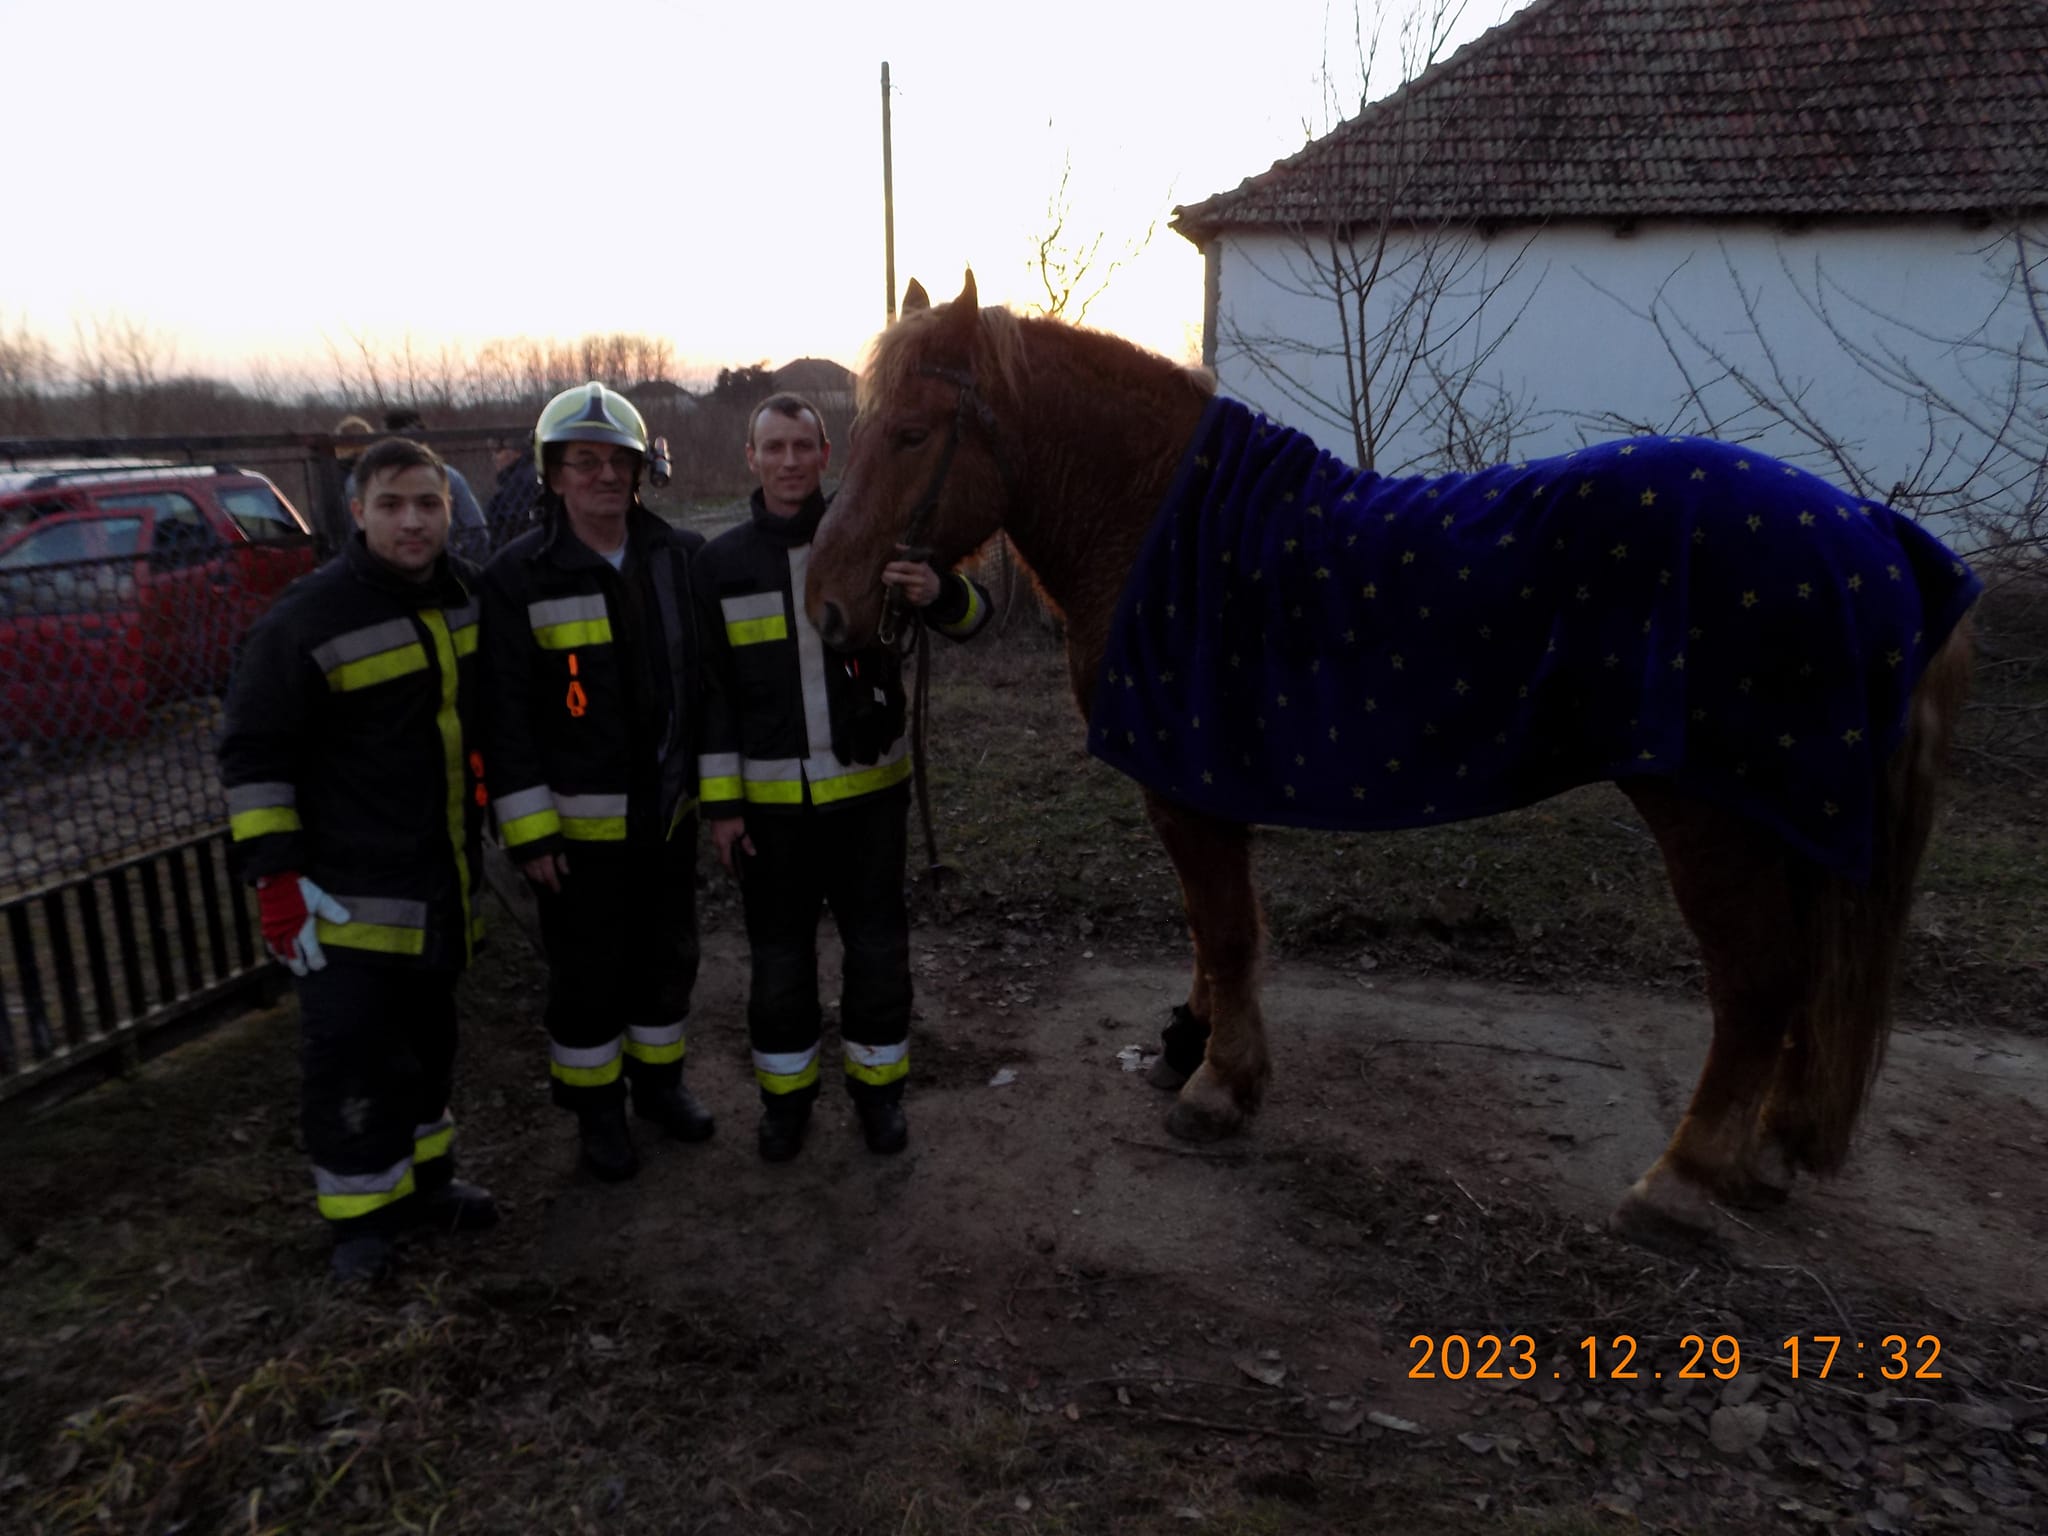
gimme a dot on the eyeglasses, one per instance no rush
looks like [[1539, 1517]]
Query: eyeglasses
[[623, 460]]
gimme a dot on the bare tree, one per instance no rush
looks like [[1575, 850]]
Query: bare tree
[[1981, 470], [359, 372], [1072, 267], [120, 364], [1418, 301], [28, 374]]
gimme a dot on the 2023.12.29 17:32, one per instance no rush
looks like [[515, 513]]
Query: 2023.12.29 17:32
[[1696, 1357]]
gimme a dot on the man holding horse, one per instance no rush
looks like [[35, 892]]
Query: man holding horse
[[803, 769]]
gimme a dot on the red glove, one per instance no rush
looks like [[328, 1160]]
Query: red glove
[[283, 909], [287, 905]]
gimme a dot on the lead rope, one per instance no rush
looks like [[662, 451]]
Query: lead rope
[[920, 714], [888, 628]]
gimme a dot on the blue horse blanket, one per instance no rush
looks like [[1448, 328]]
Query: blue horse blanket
[[1301, 643]]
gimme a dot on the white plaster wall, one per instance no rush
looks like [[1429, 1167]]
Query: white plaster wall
[[1583, 350]]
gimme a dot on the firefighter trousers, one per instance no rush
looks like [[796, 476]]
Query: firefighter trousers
[[849, 858], [378, 1048], [621, 942]]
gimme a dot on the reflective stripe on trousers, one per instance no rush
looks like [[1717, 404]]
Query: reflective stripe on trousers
[[435, 1140], [586, 1066], [877, 1064], [657, 1044], [786, 1071], [343, 1196]]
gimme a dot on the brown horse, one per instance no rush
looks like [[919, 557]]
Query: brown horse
[[975, 420]]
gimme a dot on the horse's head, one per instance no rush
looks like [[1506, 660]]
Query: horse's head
[[923, 467]]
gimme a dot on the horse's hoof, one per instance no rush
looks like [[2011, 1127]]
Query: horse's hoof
[[1164, 1075], [1757, 1193], [1207, 1110], [1200, 1122], [1670, 1215]]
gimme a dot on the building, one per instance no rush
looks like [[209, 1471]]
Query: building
[[827, 384], [1808, 224]]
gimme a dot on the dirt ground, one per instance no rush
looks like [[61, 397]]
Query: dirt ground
[[1044, 1243], [1046, 1316], [1039, 1145]]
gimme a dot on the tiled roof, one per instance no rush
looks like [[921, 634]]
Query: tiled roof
[[1638, 108], [817, 373]]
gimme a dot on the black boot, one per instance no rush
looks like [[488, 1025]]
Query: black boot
[[883, 1123], [675, 1109], [607, 1144], [363, 1258], [782, 1130], [457, 1206]]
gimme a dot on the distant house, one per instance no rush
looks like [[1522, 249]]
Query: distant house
[[825, 383], [661, 394], [1615, 214]]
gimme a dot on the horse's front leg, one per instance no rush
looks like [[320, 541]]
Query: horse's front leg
[[1213, 860]]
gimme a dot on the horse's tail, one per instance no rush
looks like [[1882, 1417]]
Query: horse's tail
[[1857, 932]]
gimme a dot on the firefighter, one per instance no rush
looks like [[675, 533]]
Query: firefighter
[[804, 769], [590, 646], [354, 797]]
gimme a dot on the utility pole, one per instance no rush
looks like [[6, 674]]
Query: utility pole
[[888, 202]]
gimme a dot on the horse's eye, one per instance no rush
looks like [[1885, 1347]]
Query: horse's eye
[[912, 437]]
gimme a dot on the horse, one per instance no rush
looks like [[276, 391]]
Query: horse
[[1073, 443]]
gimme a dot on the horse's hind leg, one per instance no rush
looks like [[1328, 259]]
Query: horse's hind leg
[[1213, 860], [1736, 887]]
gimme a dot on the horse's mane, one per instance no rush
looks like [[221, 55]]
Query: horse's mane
[[1004, 363]]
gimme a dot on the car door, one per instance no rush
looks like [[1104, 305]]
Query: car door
[[188, 594], [274, 546], [72, 643]]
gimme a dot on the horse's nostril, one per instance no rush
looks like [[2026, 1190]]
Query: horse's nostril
[[833, 625]]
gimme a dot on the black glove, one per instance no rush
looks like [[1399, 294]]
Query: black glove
[[867, 705]]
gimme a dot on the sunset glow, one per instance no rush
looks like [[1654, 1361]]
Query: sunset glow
[[259, 181]]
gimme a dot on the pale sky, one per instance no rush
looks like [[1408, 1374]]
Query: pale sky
[[251, 178]]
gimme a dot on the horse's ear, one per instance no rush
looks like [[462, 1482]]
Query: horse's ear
[[963, 321], [915, 300]]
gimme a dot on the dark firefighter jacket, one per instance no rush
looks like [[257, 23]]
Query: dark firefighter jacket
[[591, 676], [348, 754], [786, 721]]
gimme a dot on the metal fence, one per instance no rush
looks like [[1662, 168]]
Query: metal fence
[[111, 968]]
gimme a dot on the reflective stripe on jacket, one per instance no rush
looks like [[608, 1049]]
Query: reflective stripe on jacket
[[787, 722]]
